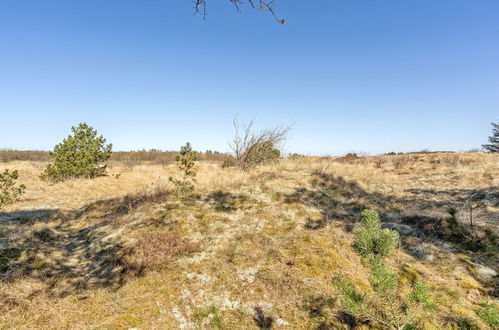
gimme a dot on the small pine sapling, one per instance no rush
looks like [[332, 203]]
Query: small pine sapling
[[185, 163], [10, 191], [370, 239], [383, 306]]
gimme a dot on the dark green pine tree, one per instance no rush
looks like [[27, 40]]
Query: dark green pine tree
[[493, 146], [79, 155]]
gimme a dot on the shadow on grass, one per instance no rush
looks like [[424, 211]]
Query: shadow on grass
[[262, 321], [342, 200], [68, 250], [337, 199], [225, 201], [419, 214]]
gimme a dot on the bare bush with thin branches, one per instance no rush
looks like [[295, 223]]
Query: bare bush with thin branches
[[400, 161], [379, 161], [268, 6], [251, 147]]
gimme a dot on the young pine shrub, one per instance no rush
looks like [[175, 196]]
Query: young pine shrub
[[370, 239], [185, 163], [383, 306], [79, 155], [382, 280], [352, 301], [421, 294], [10, 191]]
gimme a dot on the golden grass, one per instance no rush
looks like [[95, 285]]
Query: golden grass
[[269, 240]]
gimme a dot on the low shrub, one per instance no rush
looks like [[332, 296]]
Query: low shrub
[[379, 161], [400, 161], [260, 154], [229, 161], [154, 253]]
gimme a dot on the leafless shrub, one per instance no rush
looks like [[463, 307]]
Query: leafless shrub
[[155, 253], [268, 6], [400, 161], [252, 148], [379, 161]]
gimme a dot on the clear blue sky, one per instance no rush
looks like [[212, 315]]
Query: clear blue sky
[[366, 76]]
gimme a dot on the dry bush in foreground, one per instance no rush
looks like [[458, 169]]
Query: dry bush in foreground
[[155, 253], [252, 148]]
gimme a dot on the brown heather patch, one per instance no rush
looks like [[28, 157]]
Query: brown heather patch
[[155, 253]]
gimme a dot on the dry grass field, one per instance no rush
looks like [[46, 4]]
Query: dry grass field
[[249, 250]]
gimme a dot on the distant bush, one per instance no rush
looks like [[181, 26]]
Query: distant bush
[[79, 155], [185, 162], [351, 156], [260, 153], [379, 161], [229, 161], [370, 239], [252, 148], [400, 161], [9, 190]]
